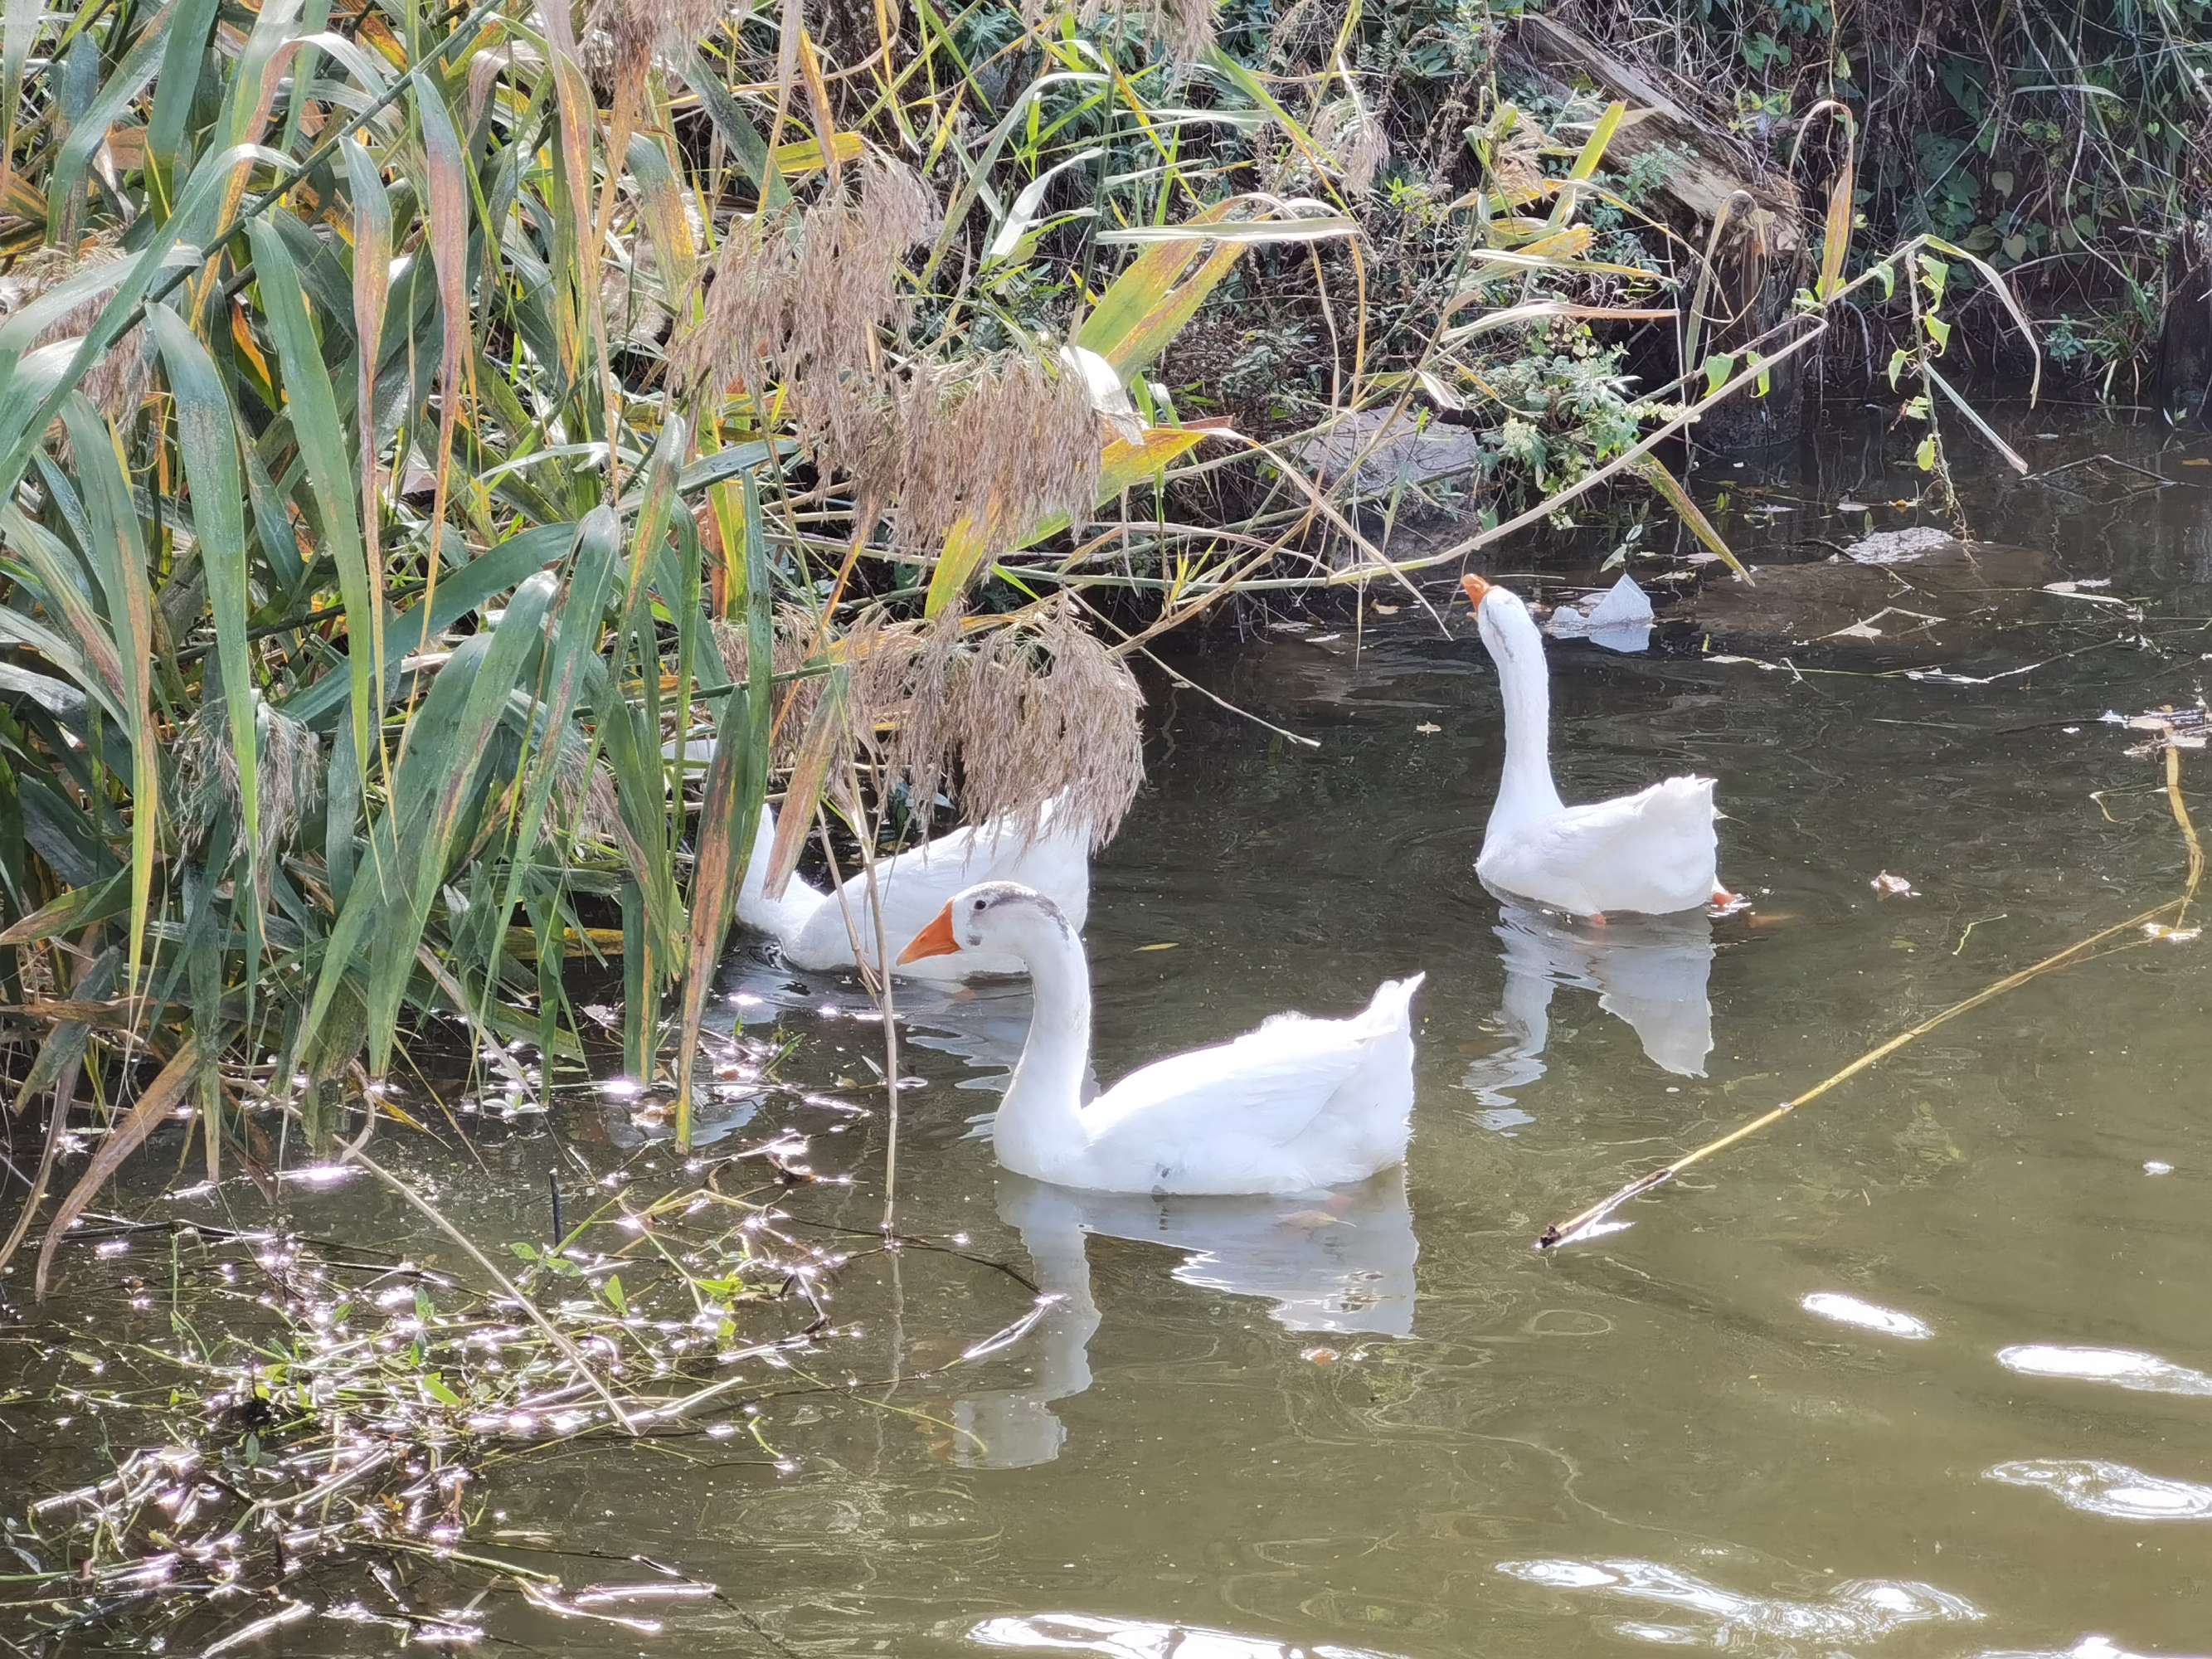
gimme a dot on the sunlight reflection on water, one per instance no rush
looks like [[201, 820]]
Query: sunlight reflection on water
[[1856, 1611], [2124, 1368], [2100, 1487]]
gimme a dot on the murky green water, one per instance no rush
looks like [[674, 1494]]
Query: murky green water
[[1925, 1370]]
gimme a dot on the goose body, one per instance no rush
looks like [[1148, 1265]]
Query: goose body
[[1655, 851], [817, 931], [1297, 1104]]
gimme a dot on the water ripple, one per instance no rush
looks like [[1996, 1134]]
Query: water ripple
[[1860, 1610], [2124, 1368], [2104, 1488], [1850, 1311]]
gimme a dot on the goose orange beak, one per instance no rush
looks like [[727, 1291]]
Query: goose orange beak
[[1476, 589], [934, 940]]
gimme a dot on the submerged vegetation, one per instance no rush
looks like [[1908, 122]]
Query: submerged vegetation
[[310, 1433]]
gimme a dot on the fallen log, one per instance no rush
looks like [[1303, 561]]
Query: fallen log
[[1713, 178]]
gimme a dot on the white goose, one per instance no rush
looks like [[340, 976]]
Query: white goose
[[812, 926], [1297, 1104], [1655, 851]]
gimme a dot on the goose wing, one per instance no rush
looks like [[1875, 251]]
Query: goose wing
[[1299, 1103], [1655, 851]]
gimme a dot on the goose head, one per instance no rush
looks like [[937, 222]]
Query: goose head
[[1001, 915], [1508, 631]]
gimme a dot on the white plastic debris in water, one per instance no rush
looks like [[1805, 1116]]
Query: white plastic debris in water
[[1619, 621], [2157, 1166]]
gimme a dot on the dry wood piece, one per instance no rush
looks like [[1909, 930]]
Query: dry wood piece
[[1716, 167]]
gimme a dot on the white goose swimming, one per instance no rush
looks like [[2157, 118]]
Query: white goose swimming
[[812, 926], [1297, 1104], [1655, 851]]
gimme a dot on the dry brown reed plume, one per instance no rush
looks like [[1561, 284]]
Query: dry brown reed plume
[[1516, 160], [647, 275], [584, 792], [288, 776], [118, 378], [1009, 713], [1006, 441], [1185, 28], [1354, 137], [802, 295], [638, 31]]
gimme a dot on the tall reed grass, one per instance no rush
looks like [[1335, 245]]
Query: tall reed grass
[[418, 426]]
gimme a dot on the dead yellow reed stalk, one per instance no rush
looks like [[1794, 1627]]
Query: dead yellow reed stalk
[[2146, 925]]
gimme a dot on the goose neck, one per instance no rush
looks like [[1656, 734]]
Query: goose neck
[[1039, 1126], [1527, 790], [782, 917]]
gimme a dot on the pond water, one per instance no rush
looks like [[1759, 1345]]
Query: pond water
[[1923, 1370]]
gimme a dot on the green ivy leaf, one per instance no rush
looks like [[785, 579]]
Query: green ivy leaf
[[1925, 456]]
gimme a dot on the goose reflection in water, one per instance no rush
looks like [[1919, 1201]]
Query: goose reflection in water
[[1342, 1262], [1649, 971]]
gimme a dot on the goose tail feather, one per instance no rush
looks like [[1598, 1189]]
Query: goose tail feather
[[1391, 1008]]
